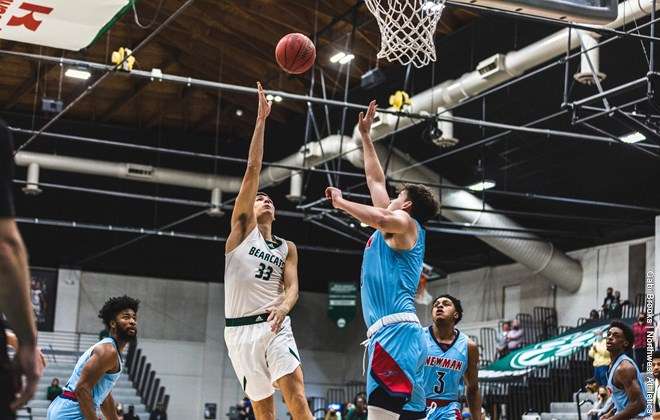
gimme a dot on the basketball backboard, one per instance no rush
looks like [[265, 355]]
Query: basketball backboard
[[582, 11]]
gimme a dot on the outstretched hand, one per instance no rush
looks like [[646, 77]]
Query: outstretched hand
[[264, 104], [365, 121]]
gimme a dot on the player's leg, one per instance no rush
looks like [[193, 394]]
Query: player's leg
[[284, 365], [293, 390], [395, 356], [264, 409], [246, 347]]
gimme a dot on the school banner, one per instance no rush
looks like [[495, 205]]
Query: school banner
[[67, 24], [43, 295], [522, 361], [342, 302]]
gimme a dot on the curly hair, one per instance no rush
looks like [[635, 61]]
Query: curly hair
[[457, 305], [424, 204], [115, 305]]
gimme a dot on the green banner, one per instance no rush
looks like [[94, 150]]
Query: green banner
[[540, 354], [342, 302]]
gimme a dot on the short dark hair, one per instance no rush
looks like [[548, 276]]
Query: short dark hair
[[656, 354], [424, 204], [457, 305], [262, 193], [115, 305], [627, 332]]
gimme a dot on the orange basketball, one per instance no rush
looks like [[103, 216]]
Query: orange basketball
[[295, 53]]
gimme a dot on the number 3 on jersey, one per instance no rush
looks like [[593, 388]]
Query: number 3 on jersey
[[440, 387], [264, 271]]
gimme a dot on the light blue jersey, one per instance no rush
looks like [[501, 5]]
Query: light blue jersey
[[64, 408], [396, 352], [619, 396], [389, 277], [444, 371]]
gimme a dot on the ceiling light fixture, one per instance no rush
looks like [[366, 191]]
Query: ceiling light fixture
[[346, 58], [78, 73], [335, 58], [482, 185], [635, 137]]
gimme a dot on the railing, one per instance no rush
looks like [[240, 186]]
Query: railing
[[535, 391], [145, 381]]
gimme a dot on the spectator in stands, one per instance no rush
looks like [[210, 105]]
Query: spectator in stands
[[593, 316], [639, 347], [609, 298], [515, 336], [602, 405], [503, 340], [53, 390], [333, 412], [245, 411], [616, 307], [591, 387], [601, 356], [120, 412], [131, 414], [359, 412], [159, 413]]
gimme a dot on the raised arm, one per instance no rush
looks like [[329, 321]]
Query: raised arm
[[242, 217], [290, 275], [372, 168], [472, 381], [385, 220], [102, 360], [626, 378]]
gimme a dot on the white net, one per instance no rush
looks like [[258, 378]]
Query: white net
[[407, 28]]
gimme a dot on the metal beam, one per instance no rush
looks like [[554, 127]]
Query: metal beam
[[107, 74]]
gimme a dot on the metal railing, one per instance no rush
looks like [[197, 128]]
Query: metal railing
[[144, 380], [535, 391]]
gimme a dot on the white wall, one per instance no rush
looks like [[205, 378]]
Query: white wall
[[66, 304], [481, 290]]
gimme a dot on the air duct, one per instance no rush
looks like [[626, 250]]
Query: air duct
[[590, 58], [130, 171]]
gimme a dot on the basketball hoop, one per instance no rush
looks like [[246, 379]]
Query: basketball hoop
[[407, 28]]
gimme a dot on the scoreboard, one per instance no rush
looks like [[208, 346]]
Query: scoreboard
[[579, 11]]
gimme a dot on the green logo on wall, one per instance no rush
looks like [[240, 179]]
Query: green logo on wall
[[342, 302], [521, 361]]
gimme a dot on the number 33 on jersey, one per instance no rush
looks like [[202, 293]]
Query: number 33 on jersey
[[254, 272]]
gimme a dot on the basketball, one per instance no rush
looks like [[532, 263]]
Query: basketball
[[295, 53]]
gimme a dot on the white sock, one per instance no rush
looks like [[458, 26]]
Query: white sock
[[377, 413]]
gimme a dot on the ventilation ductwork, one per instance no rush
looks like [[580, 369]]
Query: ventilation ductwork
[[589, 62]]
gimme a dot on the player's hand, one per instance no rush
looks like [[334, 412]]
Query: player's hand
[[264, 105], [334, 195], [275, 318], [31, 366], [365, 121]]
